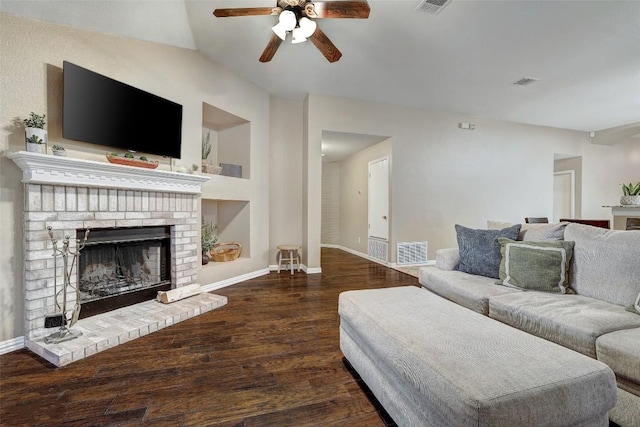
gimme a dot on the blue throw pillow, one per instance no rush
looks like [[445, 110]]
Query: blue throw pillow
[[480, 249]]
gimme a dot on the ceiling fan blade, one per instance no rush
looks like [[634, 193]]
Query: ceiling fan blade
[[271, 48], [246, 11], [324, 45], [341, 9]]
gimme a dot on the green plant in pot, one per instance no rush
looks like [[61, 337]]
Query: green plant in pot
[[58, 150], [630, 194], [35, 135], [208, 238]]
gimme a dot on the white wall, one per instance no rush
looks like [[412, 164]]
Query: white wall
[[285, 187], [31, 80], [444, 175], [330, 233]]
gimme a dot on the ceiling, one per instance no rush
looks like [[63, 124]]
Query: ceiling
[[586, 54]]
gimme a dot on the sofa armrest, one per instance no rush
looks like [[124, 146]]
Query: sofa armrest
[[447, 259]]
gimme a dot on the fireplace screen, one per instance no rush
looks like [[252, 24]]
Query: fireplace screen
[[123, 266]]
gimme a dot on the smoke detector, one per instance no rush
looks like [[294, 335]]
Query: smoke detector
[[434, 7], [525, 81]]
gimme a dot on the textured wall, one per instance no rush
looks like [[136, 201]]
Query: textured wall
[[31, 80], [330, 203]]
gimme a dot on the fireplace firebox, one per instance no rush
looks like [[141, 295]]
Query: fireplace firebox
[[123, 266]]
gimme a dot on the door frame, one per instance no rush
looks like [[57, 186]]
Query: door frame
[[572, 174]]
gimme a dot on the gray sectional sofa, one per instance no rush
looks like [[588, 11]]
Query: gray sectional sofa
[[595, 317]]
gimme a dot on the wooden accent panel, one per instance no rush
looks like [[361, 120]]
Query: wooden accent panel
[[326, 46], [270, 357], [271, 48], [342, 9], [243, 11]]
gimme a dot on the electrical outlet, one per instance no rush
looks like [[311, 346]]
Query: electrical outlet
[[358, 240]]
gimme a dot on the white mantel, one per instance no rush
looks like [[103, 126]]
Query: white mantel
[[57, 170]]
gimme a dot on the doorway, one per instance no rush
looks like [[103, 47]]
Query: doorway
[[378, 209], [567, 186]]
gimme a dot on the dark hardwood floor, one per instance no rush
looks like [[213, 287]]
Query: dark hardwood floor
[[270, 357]]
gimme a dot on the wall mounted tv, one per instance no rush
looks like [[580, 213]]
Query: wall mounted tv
[[100, 110]]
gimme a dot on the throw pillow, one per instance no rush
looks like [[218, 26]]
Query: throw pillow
[[480, 250], [536, 266], [542, 232]]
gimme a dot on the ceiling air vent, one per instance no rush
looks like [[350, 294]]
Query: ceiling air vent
[[433, 7], [525, 81]]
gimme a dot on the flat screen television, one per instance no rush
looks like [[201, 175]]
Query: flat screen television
[[100, 110]]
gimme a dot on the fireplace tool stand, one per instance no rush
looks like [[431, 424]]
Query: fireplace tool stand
[[65, 333]]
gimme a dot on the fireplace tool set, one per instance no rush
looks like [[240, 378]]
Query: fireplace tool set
[[61, 317]]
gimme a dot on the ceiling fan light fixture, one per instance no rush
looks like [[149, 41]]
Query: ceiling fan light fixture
[[298, 37], [286, 22], [306, 27]]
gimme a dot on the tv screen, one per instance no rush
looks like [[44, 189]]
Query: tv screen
[[100, 110]]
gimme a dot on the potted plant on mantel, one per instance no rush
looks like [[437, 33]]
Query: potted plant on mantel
[[58, 150], [630, 194], [35, 135]]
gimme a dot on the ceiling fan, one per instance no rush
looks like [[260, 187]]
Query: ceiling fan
[[295, 17]]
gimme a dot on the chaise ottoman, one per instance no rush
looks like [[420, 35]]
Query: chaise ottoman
[[431, 362]]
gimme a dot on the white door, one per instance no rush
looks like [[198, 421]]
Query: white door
[[563, 195], [379, 199]]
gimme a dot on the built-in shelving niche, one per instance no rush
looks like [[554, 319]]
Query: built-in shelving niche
[[230, 138], [233, 220]]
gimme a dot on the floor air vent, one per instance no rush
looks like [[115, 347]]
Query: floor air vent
[[412, 253], [433, 7], [378, 249]]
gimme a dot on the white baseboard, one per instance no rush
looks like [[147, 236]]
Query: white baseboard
[[11, 345], [307, 270], [356, 253], [422, 264], [233, 280]]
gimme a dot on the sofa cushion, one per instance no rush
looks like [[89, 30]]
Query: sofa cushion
[[468, 290], [606, 263], [621, 351], [448, 258], [535, 232], [542, 232], [537, 266], [480, 250], [573, 321]]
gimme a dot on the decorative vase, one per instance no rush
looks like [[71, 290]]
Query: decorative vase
[[630, 200], [205, 257], [36, 148]]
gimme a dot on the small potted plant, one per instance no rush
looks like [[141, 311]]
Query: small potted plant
[[35, 135], [630, 194], [207, 164], [194, 168], [208, 240], [58, 150]]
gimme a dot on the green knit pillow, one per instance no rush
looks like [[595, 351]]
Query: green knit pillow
[[535, 266]]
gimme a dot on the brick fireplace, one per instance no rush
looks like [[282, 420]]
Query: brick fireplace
[[71, 195]]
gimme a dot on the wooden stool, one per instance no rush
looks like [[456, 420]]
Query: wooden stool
[[292, 253]]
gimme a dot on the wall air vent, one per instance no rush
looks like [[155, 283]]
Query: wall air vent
[[434, 7], [525, 81], [410, 253]]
